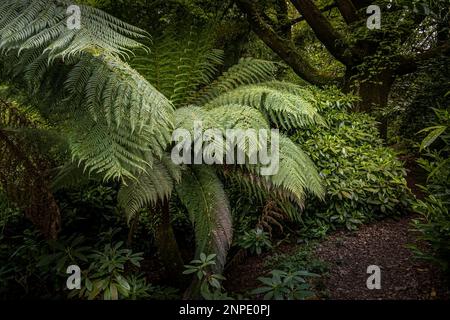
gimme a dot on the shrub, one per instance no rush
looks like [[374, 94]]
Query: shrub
[[301, 259], [435, 225], [106, 275], [364, 179], [256, 241], [285, 285], [208, 281]]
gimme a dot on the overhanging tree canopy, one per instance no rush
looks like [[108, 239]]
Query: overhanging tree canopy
[[408, 36]]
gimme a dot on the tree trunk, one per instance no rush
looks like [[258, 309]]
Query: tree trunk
[[168, 250], [373, 94]]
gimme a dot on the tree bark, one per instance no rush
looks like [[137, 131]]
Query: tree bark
[[373, 94], [347, 10], [324, 31], [168, 249], [283, 47]]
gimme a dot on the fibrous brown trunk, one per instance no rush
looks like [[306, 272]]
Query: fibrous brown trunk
[[168, 249]]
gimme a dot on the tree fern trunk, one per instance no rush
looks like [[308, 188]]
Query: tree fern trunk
[[168, 249]]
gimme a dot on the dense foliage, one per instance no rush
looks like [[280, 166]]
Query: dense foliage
[[364, 179], [435, 226], [89, 123]]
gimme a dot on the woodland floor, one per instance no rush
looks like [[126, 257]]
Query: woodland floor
[[382, 244], [348, 254]]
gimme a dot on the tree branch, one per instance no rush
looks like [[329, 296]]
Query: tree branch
[[332, 40], [410, 64], [347, 10], [301, 18], [283, 47]]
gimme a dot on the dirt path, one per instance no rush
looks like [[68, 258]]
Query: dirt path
[[382, 244]]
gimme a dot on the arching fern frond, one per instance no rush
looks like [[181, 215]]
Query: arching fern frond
[[70, 175], [296, 176], [179, 64], [247, 71], [232, 116], [121, 121], [259, 188], [150, 187], [285, 110], [30, 24], [297, 173], [202, 193], [237, 116], [116, 121], [245, 123]]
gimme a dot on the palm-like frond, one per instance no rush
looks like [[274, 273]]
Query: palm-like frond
[[121, 121], [297, 173], [117, 122], [150, 187], [179, 64], [296, 176], [201, 191], [70, 175], [284, 109], [29, 24], [247, 71], [232, 116]]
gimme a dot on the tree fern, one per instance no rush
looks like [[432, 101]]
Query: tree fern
[[244, 97], [113, 111], [118, 121]]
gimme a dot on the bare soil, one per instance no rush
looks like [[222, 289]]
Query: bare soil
[[383, 244]]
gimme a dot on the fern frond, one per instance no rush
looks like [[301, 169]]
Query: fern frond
[[116, 121], [297, 174], [178, 64], [202, 193], [284, 109], [31, 24], [225, 117], [247, 71], [236, 116], [69, 175], [262, 190], [119, 122], [151, 186], [244, 121], [271, 216]]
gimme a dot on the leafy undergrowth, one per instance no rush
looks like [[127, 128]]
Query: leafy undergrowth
[[244, 277]]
